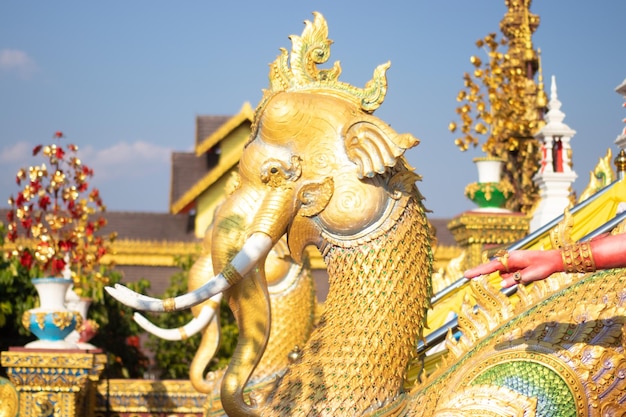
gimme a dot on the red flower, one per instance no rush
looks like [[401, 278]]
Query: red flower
[[66, 245], [57, 266], [60, 153], [26, 260], [27, 223], [133, 341], [20, 200], [36, 186], [36, 149], [58, 134], [44, 202]]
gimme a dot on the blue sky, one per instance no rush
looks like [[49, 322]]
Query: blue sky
[[124, 80]]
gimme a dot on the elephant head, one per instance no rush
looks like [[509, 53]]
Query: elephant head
[[320, 168]]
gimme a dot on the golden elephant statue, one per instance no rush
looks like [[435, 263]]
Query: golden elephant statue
[[321, 169]]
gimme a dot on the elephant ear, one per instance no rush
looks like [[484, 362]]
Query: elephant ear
[[374, 146]]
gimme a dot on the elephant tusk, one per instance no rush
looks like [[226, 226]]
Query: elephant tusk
[[130, 293], [194, 326], [256, 246]]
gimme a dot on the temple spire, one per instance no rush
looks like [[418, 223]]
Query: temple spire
[[555, 176], [520, 150]]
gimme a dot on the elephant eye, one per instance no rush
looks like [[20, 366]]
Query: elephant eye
[[275, 172]]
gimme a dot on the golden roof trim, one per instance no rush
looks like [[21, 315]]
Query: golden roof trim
[[246, 113], [225, 164], [488, 228], [138, 246], [149, 252], [138, 396]]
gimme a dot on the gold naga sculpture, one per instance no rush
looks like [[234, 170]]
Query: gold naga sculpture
[[601, 176], [320, 168]]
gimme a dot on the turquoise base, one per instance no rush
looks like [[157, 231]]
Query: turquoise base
[[50, 325]]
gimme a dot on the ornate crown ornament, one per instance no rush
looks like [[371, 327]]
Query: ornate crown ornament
[[309, 50]]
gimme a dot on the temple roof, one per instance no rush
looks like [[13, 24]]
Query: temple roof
[[143, 226], [218, 133], [193, 173], [150, 226], [206, 125], [187, 170]]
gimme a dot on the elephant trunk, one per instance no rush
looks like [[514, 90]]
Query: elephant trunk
[[210, 341], [207, 349], [248, 298]]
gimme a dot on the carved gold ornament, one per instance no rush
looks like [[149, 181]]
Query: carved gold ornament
[[578, 258], [60, 319], [601, 176], [561, 234], [312, 49], [502, 256], [297, 71], [9, 404]]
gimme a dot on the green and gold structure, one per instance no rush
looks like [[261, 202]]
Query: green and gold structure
[[67, 383], [52, 383], [151, 398]]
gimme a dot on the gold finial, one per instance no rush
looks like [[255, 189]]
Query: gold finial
[[298, 71], [620, 163]]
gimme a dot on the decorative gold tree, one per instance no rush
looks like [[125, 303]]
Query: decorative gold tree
[[500, 100], [53, 220]]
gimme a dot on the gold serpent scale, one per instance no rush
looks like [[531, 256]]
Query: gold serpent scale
[[379, 293]]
